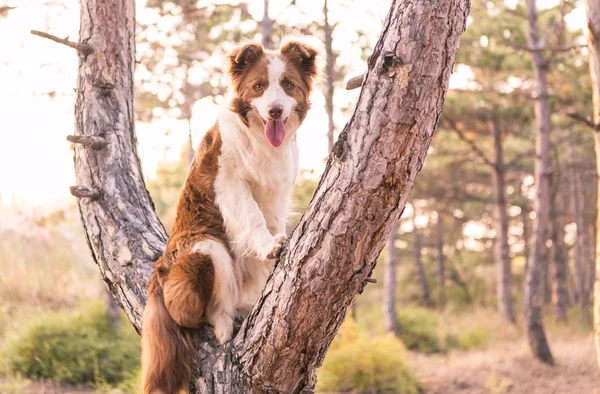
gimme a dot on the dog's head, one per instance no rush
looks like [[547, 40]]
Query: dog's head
[[271, 89]]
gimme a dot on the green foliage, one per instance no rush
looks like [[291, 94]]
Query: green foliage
[[474, 338], [74, 347], [419, 330], [361, 363]]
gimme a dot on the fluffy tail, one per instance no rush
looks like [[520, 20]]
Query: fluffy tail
[[167, 347]]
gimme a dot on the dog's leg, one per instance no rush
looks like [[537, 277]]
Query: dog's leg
[[245, 221]]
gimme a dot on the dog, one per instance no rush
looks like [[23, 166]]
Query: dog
[[231, 214]]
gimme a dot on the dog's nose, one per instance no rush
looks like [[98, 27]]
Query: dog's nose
[[276, 111]]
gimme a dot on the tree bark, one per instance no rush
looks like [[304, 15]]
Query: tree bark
[[593, 19], [329, 76], [501, 249], [332, 251], [425, 292], [559, 252], [539, 252], [389, 284], [122, 229]]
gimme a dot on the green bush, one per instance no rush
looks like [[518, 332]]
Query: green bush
[[360, 363], [74, 347], [419, 330], [467, 339]]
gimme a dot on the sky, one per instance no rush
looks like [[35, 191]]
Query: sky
[[37, 80]]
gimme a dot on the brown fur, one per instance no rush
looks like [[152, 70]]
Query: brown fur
[[181, 285]]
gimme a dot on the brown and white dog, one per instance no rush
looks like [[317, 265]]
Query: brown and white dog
[[231, 214]]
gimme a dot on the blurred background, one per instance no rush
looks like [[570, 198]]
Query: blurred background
[[432, 322]]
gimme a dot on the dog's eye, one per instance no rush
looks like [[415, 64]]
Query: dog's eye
[[287, 85], [258, 86]]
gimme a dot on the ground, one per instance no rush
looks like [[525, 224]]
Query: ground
[[508, 368]]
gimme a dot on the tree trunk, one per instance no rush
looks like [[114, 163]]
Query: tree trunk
[[266, 25], [593, 17], [501, 249], [539, 252], [582, 246], [122, 229], [441, 269], [559, 252], [367, 181], [389, 284], [425, 292], [329, 76], [525, 220]]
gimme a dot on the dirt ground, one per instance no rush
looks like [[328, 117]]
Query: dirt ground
[[510, 369]]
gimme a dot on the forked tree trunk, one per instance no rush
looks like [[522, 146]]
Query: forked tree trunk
[[389, 284], [332, 251], [501, 249], [593, 19], [539, 252]]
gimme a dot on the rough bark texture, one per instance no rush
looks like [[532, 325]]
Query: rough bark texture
[[329, 76], [559, 253], [331, 253], [539, 252], [123, 231], [593, 19], [389, 284], [504, 297]]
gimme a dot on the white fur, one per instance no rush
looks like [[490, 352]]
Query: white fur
[[222, 309], [253, 190], [274, 95]]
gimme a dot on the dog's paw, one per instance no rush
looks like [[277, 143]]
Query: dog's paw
[[278, 241]]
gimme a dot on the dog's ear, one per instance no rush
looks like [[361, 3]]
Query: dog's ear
[[242, 57], [303, 55]]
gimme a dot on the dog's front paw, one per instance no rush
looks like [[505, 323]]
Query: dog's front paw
[[278, 241]]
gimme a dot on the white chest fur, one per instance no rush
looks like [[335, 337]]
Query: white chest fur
[[254, 181]]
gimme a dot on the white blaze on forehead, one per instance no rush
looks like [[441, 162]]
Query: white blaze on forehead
[[274, 94]]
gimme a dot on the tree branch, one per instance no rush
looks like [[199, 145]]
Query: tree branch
[[355, 82], [83, 48], [584, 119], [476, 150]]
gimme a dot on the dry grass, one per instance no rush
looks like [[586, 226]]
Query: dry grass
[[509, 368]]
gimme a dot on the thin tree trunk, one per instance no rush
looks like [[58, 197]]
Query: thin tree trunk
[[582, 246], [368, 179], [425, 292], [501, 249], [389, 284], [441, 269], [593, 18], [329, 76], [539, 253], [525, 221], [266, 26], [559, 252]]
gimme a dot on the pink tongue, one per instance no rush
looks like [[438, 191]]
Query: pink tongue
[[275, 131]]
